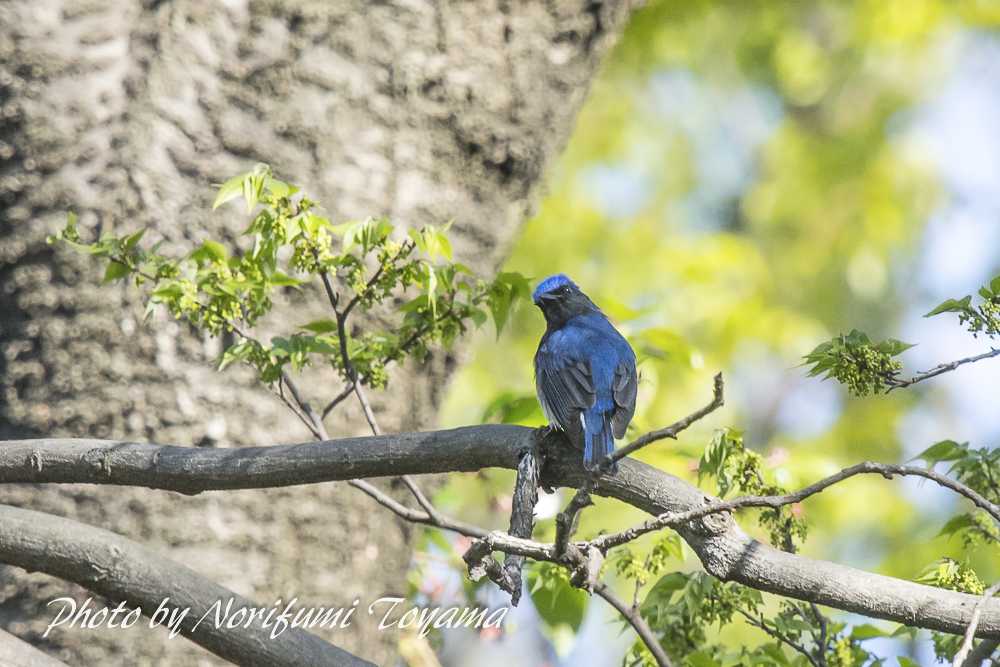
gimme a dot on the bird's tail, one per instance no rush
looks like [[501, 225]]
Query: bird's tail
[[598, 441]]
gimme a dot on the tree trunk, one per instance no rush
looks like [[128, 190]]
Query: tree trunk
[[125, 113]]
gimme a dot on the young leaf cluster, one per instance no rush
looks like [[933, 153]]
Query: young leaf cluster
[[735, 468], [289, 245], [864, 367], [983, 318]]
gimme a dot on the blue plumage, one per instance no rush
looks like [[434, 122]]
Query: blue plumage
[[585, 372]]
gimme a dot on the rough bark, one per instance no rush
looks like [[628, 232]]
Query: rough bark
[[124, 112], [724, 549]]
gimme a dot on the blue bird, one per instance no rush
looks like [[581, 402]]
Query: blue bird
[[584, 370]]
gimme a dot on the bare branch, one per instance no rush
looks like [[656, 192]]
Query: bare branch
[[983, 651], [795, 646], [940, 369], [567, 520], [638, 623], [970, 632], [522, 517], [673, 520], [121, 570], [725, 551], [674, 429], [338, 399]]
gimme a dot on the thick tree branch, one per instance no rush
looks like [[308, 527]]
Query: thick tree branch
[[724, 550], [121, 570]]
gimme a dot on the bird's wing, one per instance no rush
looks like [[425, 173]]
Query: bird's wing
[[565, 388], [624, 389]]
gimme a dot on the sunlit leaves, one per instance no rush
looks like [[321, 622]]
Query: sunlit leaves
[[362, 264], [558, 602], [862, 366], [949, 573], [735, 468], [983, 318]]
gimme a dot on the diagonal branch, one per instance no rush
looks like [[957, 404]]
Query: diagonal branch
[[887, 470], [121, 570], [672, 431], [970, 632], [940, 369], [638, 623]]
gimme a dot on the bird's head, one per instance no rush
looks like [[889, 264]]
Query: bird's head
[[560, 299]]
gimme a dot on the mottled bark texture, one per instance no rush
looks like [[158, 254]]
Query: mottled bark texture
[[124, 112]]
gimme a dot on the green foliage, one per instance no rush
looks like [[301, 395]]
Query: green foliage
[[289, 246], [949, 573], [558, 602], [735, 468], [864, 367], [983, 318], [979, 469]]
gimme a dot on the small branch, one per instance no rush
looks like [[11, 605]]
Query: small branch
[[759, 624], [638, 623], [567, 520], [404, 249], [970, 632], [415, 516], [522, 517], [675, 519], [940, 369], [338, 399], [824, 639], [671, 431], [983, 651]]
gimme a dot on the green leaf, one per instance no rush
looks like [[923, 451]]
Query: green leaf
[[115, 271], [866, 631], [946, 450], [132, 240], [893, 347], [210, 252], [229, 190], [700, 659], [279, 279], [951, 306], [509, 408], [557, 602], [321, 326], [956, 524], [995, 285]]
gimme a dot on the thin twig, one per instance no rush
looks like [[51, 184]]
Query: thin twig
[[672, 519], [759, 623], [940, 369], [718, 399], [823, 632], [970, 632], [638, 623], [338, 399], [567, 520]]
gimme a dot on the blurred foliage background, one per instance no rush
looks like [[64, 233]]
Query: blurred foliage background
[[747, 180]]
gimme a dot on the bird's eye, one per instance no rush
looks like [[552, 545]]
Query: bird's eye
[[564, 290]]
